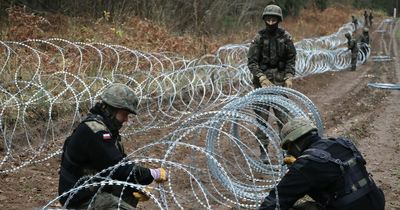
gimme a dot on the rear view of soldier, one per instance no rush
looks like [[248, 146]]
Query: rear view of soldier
[[271, 60], [364, 41], [364, 38], [355, 22], [366, 18], [353, 47], [370, 17]]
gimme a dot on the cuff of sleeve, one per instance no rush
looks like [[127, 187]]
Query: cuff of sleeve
[[260, 74], [155, 173], [288, 76]]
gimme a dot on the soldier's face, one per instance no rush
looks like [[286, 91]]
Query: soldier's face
[[293, 149], [271, 20], [122, 115]]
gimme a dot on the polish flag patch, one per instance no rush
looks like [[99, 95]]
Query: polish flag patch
[[107, 136]]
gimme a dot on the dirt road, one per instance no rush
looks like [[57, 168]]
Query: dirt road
[[370, 116]]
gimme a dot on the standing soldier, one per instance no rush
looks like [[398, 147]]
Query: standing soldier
[[364, 42], [370, 18], [355, 22], [365, 18], [271, 60], [94, 146], [364, 38], [352, 45]]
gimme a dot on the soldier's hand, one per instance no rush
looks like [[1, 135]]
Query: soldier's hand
[[264, 81], [159, 175], [289, 82], [142, 195], [289, 160]]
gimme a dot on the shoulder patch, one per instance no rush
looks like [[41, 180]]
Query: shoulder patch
[[96, 126]]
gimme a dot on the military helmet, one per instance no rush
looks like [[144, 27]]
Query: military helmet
[[365, 30], [120, 96], [273, 10], [294, 129]]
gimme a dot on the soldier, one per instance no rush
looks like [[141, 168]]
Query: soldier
[[366, 18], [364, 38], [95, 145], [364, 41], [271, 60], [331, 171], [355, 22], [353, 47], [370, 17]]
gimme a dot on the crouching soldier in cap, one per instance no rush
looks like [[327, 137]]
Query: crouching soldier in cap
[[331, 171], [95, 145]]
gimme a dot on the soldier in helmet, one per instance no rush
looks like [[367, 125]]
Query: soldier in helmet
[[95, 145], [271, 60], [331, 171], [370, 17], [355, 22], [353, 47], [364, 41], [364, 38], [365, 18]]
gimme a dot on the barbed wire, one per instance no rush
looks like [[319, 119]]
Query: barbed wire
[[48, 86]]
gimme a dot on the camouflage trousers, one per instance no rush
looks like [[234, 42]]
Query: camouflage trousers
[[264, 114], [107, 201], [309, 205], [353, 61]]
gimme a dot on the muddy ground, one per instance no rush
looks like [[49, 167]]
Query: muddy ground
[[348, 107]]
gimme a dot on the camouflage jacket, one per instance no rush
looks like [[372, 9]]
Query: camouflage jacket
[[352, 45], [273, 55], [355, 22], [364, 39]]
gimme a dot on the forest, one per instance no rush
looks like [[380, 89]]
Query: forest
[[182, 16]]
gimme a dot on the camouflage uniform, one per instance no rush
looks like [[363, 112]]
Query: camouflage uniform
[[107, 201], [364, 42], [370, 17], [364, 38], [352, 45], [271, 54], [354, 21], [274, 55], [365, 18]]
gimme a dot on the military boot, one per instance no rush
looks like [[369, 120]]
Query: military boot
[[263, 155]]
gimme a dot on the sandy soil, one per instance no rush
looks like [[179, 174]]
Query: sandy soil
[[348, 106]]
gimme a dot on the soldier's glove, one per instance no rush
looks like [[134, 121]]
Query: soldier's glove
[[289, 160], [264, 81], [159, 175], [289, 82], [142, 195]]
